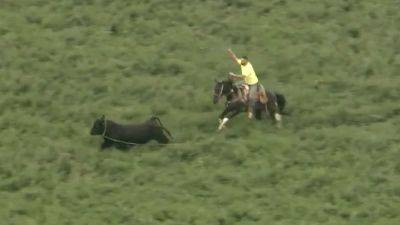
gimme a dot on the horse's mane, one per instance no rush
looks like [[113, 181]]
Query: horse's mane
[[231, 84]]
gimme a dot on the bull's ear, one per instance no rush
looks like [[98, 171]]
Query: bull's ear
[[102, 117]]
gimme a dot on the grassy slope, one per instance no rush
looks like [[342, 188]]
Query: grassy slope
[[63, 63]]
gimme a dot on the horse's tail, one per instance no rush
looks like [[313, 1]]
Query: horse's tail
[[160, 125], [281, 100]]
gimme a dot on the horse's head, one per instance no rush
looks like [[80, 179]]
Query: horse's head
[[221, 88], [98, 126]]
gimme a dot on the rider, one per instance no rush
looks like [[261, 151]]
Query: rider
[[249, 78]]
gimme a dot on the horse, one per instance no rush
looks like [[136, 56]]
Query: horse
[[123, 136], [236, 103]]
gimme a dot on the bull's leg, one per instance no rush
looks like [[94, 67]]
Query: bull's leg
[[122, 146], [106, 144]]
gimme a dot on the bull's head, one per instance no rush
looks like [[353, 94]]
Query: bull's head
[[162, 134]]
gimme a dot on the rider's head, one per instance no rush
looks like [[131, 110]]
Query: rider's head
[[244, 60]]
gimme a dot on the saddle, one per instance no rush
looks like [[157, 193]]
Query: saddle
[[245, 91]]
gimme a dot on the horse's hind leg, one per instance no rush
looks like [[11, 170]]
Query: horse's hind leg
[[277, 115], [260, 108], [272, 109]]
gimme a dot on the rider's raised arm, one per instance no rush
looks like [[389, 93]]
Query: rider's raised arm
[[233, 56]]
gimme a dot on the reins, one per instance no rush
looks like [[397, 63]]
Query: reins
[[221, 91]]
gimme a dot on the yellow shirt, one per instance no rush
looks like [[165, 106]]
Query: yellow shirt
[[250, 76]]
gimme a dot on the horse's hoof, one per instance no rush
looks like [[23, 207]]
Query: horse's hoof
[[222, 123], [278, 117]]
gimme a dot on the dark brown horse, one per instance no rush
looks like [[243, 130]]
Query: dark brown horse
[[235, 103]]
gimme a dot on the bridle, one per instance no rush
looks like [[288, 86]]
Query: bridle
[[220, 92], [228, 95]]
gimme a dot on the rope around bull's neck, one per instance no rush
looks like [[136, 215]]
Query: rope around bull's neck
[[105, 128]]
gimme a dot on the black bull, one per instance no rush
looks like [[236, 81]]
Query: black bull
[[123, 136]]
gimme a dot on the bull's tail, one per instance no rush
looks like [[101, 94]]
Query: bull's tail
[[160, 125]]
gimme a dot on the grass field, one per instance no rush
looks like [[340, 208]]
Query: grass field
[[334, 161]]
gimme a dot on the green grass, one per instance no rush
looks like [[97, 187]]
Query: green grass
[[334, 161]]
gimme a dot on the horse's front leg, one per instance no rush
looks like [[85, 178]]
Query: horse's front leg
[[228, 108], [223, 118], [224, 113], [232, 110]]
